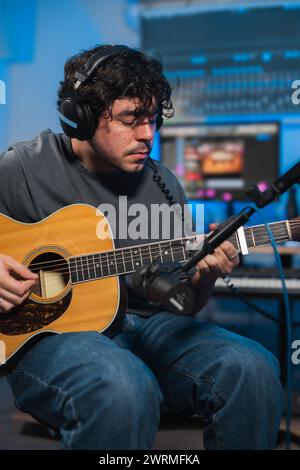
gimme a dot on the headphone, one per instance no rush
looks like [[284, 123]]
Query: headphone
[[77, 119]]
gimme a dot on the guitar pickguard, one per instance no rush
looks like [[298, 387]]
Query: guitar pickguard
[[32, 316]]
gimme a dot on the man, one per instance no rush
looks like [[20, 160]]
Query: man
[[107, 393]]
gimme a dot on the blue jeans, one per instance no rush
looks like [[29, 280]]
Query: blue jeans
[[108, 394]]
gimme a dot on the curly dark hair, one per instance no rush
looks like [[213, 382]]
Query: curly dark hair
[[129, 74]]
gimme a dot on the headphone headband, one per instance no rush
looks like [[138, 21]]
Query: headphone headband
[[87, 70]]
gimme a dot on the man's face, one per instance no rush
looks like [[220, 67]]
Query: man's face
[[125, 140]]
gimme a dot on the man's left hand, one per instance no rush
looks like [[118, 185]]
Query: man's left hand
[[220, 263]]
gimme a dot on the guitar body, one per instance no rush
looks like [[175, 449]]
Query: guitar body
[[55, 304]]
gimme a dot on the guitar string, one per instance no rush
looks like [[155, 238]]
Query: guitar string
[[93, 263], [247, 234], [103, 276], [131, 250], [259, 238], [90, 267], [111, 259]]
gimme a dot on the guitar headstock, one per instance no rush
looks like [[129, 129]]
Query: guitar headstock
[[295, 228]]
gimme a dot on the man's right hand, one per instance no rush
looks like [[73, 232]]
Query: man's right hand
[[15, 283]]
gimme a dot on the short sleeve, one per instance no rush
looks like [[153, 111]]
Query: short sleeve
[[11, 177]]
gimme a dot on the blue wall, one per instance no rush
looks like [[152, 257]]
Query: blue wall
[[36, 37]]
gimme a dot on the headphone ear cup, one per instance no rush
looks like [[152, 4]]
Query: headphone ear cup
[[159, 121], [77, 120]]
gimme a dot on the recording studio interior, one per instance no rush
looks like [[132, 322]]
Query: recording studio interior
[[234, 70]]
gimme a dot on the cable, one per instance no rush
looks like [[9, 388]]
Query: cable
[[288, 330], [252, 305], [243, 298], [171, 201], [162, 186]]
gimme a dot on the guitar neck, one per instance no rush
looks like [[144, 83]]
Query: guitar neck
[[253, 237], [126, 260]]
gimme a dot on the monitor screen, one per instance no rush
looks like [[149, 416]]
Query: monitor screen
[[231, 61], [220, 161]]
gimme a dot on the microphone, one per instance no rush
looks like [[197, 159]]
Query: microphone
[[164, 289]]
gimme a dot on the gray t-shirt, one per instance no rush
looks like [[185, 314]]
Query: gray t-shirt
[[40, 176]]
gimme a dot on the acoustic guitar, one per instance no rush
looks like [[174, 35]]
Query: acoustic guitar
[[79, 284]]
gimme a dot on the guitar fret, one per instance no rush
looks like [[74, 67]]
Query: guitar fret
[[253, 239], [141, 256], [85, 264], [171, 250], [128, 261], [98, 266], [73, 270], [78, 269], [91, 263], [119, 262], [107, 263], [116, 263], [88, 267], [160, 253], [135, 253], [167, 257], [146, 255], [94, 267], [183, 251], [104, 264], [155, 252], [112, 263], [248, 238], [176, 251], [133, 266], [81, 265], [151, 259], [123, 260]]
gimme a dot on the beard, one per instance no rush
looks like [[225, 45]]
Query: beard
[[123, 162]]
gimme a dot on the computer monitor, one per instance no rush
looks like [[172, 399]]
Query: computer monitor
[[220, 161], [231, 59]]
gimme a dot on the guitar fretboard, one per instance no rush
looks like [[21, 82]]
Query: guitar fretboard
[[125, 260]]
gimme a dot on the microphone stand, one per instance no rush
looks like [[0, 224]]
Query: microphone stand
[[223, 232], [164, 288]]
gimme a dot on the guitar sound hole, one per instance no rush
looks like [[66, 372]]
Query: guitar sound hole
[[53, 272]]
